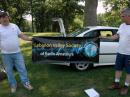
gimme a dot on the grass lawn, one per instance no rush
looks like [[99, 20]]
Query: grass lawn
[[51, 80]]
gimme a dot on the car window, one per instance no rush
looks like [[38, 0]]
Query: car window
[[94, 33], [108, 33], [77, 32]]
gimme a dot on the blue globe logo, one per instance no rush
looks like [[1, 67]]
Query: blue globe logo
[[90, 50]]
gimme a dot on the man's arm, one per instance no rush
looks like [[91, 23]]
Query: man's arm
[[24, 37], [116, 36]]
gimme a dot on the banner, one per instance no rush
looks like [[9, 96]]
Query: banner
[[65, 49]]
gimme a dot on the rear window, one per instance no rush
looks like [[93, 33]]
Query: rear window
[[77, 32]]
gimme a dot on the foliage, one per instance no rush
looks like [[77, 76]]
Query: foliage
[[42, 12], [109, 19], [45, 10], [77, 23], [16, 8], [70, 11], [112, 15]]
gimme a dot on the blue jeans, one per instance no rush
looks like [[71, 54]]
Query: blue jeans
[[11, 60]]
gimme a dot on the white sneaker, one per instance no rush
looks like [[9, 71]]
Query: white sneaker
[[28, 86], [13, 89]]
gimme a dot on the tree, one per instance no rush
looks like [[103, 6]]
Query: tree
[[113, 9], [31, 12], [45, 10], [3, 5], [17, 9], [42, 12], [90, 12]]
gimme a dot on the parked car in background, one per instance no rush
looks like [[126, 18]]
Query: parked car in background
[[108, 48]]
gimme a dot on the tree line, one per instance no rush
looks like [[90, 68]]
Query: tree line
[[73, 14]]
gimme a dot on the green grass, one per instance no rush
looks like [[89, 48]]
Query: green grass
[[51, 80], [43, 34]]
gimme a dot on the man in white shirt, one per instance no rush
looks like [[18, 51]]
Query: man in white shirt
[[123, 54], [11, 54]]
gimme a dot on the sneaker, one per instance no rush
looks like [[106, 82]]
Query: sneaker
[[115, 85], [28, 86], [13, 89], [124, 90]]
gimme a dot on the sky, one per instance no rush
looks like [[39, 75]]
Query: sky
[[100, 9]]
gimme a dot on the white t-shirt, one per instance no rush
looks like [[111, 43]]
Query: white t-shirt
[[124, 39], [9, 40]]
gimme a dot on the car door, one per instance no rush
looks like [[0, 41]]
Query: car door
[[108, 48]]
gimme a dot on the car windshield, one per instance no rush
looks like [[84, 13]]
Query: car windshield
[[77, 32]]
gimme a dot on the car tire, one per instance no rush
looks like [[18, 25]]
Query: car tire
[[82, 66]]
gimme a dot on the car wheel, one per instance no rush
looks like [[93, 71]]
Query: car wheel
[[82, 66]]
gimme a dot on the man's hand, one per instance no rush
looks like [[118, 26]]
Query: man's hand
[[102, 37], [116, 36], [24, 37]]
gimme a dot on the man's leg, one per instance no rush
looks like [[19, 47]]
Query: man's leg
[[20, 66], [118, 75], [124, 90], [127, 80], [127, 68], [119, 64], [8, 64]]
